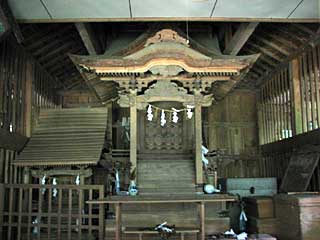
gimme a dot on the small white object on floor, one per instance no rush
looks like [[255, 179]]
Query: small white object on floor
[[230, 232], [242, 236]]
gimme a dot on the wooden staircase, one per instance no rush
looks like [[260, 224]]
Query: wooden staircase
[[166, 174]]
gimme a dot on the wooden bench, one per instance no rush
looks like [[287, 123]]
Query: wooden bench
[[181, 231]]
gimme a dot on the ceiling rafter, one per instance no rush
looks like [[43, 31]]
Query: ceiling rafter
[[37, 32], [53, 44], [265, 51], [46, 38], [62, 57], [313, 39], [304, 28], [271, 44], [56, 51], [279, 38], [263, 57]]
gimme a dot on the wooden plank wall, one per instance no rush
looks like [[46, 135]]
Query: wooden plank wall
[[232, 128], [79, 98], [24, 88], [289, 114]]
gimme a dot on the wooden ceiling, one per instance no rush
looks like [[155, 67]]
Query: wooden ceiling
[[51, 43]]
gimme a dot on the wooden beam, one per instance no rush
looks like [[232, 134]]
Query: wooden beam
[[173, 19], [8, 20], [240, 38], [296, 91], [133, 137], [89, 39], [295, 142], [28, 100], [198, 144], [12, 141]]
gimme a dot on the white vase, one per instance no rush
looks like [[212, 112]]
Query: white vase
[[133, 188]]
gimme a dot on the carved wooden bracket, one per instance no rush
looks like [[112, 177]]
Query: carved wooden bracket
[[165, 91]]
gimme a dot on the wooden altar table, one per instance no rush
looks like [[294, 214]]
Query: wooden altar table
[[200, 199]]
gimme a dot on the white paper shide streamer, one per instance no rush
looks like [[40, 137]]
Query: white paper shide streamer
[[54, 190], [163, 120], [43, 182], [173, 114], [175, 117], [78, 180], [149, 115], [189, 111]]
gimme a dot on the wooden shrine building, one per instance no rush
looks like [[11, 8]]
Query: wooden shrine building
[[182, 120]]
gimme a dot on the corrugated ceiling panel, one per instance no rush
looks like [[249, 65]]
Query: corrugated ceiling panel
[[30, 9], [307, 9], [88, 8], [169, 8], [254, 9]]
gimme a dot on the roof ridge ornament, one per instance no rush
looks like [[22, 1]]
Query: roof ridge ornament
[[167, 35]]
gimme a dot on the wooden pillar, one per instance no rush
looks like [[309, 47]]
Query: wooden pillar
[[2, 192], [133, 135], [28, 101], [118, 221], [202, 214], [198, 143], [296, 93]]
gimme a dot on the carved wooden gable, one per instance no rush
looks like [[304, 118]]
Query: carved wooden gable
[[165, 55]]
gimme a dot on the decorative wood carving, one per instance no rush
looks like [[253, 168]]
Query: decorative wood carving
[[165, 91], [167, 56], [166, 35], [167, 138]]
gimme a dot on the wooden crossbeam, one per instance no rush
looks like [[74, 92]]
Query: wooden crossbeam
[[240, 38], [93, 47], [88, 37], [8, 21], [12, 141]]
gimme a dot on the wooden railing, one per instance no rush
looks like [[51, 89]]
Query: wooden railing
[[32, 211], [289, 102]]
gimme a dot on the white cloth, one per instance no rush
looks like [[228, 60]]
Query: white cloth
[[204, 159]]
